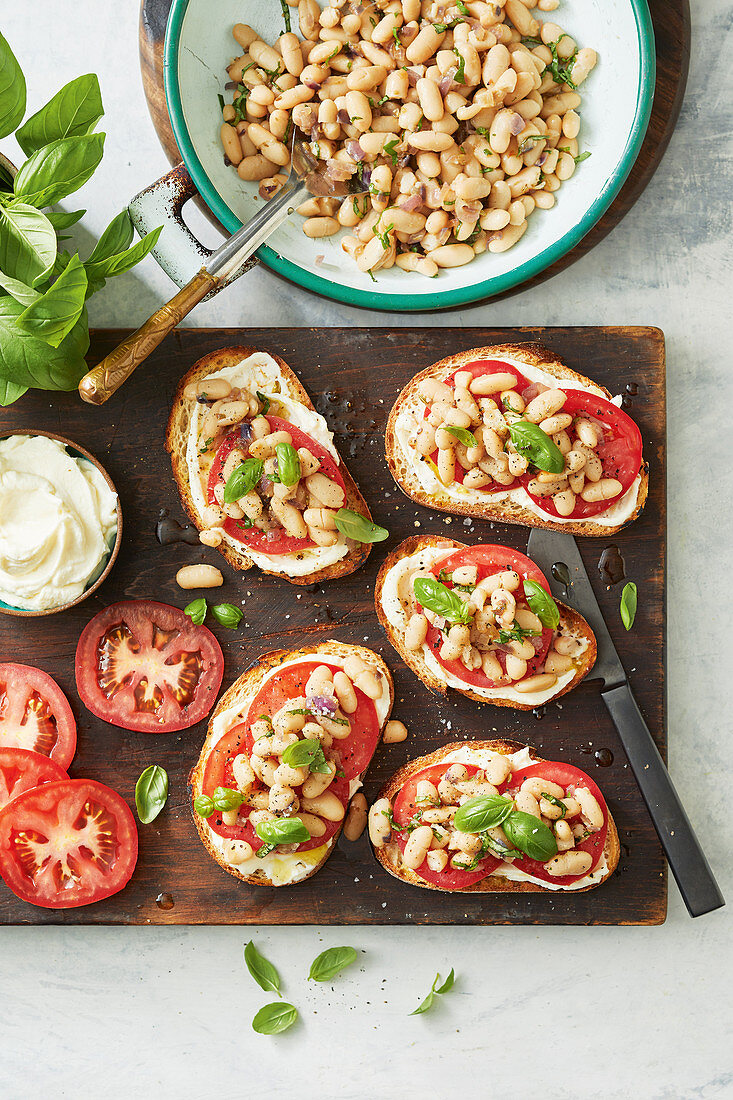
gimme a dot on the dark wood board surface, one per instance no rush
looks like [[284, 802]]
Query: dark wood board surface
[[671, 19], [353, 376]]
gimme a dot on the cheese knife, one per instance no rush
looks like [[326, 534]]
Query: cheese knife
[[686, 858]]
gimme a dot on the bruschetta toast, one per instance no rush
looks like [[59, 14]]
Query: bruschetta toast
[[509, 433], [284, 754], [258, 473], [488, 816], [480, 620]]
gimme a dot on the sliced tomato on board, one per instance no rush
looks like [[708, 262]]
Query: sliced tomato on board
[[145, 666], [490, 559], [67, 843], [35, 714], [568, 777], [404, 809], [252, 536], [21, 770]]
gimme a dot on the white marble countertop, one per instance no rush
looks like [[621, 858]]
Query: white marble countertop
[[641, 1012]]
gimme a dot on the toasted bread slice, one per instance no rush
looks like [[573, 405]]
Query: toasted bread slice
[[238, 698], [571, 622], [390, 856], [176, 440], [503, 511]]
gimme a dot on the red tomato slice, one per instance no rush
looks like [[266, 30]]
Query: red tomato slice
[[67, 843], [21, 770], [405, 807], [491, 559], [144, 666], [35, 714], [568, 777], [252, 536]]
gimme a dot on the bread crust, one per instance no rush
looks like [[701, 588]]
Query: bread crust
[[569, 617], [505, 511], [247, 685], [175, 443], [390, 855]]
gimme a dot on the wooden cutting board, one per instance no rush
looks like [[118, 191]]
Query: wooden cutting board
[[353, 376]]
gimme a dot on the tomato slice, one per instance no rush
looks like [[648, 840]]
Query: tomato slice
[[405, 807], [252, 536], [67, 843], [565, 775], [35, 714], [144, 666], [20, 770], [490, 559]]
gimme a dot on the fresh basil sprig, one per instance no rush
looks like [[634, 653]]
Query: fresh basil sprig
[[357, 527], [468, 439], [288, 463], [243, 479], [307, 753], [274, 1018], [435, 990], [282, 830], [536, 446], [443, 601], [226, 614], [530, 835], [74, 110], [331, 962], [12, 90], [542, 604], [196, 610], [628, 605], [481, 813], [151, 793], [223, 800], [261, 969]]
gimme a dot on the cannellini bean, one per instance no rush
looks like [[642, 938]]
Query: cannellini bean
[[541, 682], [368, 682], [394, 732], [328, 492], [604, 489], [237, 851], [317, 782], [380, 829], [573, 862], [417, 847], [537, 786], [199, 576], [326, 805], [590, 810], [356, 818], [416, 632], [345, 692], [313, 824]]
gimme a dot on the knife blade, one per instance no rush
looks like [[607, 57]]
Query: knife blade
[[558, 557]]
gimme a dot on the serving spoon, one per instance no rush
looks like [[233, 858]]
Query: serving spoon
[[305, 178]]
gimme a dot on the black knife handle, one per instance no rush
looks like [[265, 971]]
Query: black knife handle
[[686, 858]]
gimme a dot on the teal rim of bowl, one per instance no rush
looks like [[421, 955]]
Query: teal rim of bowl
[[405, 303]]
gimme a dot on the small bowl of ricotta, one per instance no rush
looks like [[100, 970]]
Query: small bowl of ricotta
[[60, 523]]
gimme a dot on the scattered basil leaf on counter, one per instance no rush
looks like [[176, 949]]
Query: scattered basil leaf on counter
[[243, 480], [435, 990], [12, 90], [288, 463], [226, 614], [441, 600], [359, 528], [307, 753], [530, 835], [628, 604], [196, 611], [331, 962], [483, 812], [74, 110], [265, 400], [537, 447], [282, 830], [261, 969], [274, 1018], [542, 604], [151, 793], [468, 439]]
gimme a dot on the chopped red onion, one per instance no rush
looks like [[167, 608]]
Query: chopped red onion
[[339, 172], [313, 85], [322, 704], [355, 150], [343, 117], [517, 124], [541, 160], [445, 84], [412, 77], [412, 203]]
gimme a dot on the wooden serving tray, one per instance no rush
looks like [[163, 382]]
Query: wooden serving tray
[[353, 376]]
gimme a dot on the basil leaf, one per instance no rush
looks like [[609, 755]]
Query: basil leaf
[[12, 90], [447, 984], [444, 602], [435, 990], [265, 400], [226, 614], [306, 754], [53, 315], [196, 611], [151, 793], [628, 605], [530, 835], [542, 604], [274, 1018], [261, 969], [243, 479], [59, 169], [107, 267], [331, 962], [483, 812], [203, 805], [29, 361], [468, 439], [282, 830], [555, 802], [60, 220], [75, 109], [225, 799], [9, 392], [357, 527], [27, 243], [116, 238], [288, 463], [537, 447], [22, 293]]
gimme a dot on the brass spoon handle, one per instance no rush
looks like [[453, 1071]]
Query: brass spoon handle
[[106, 378]]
